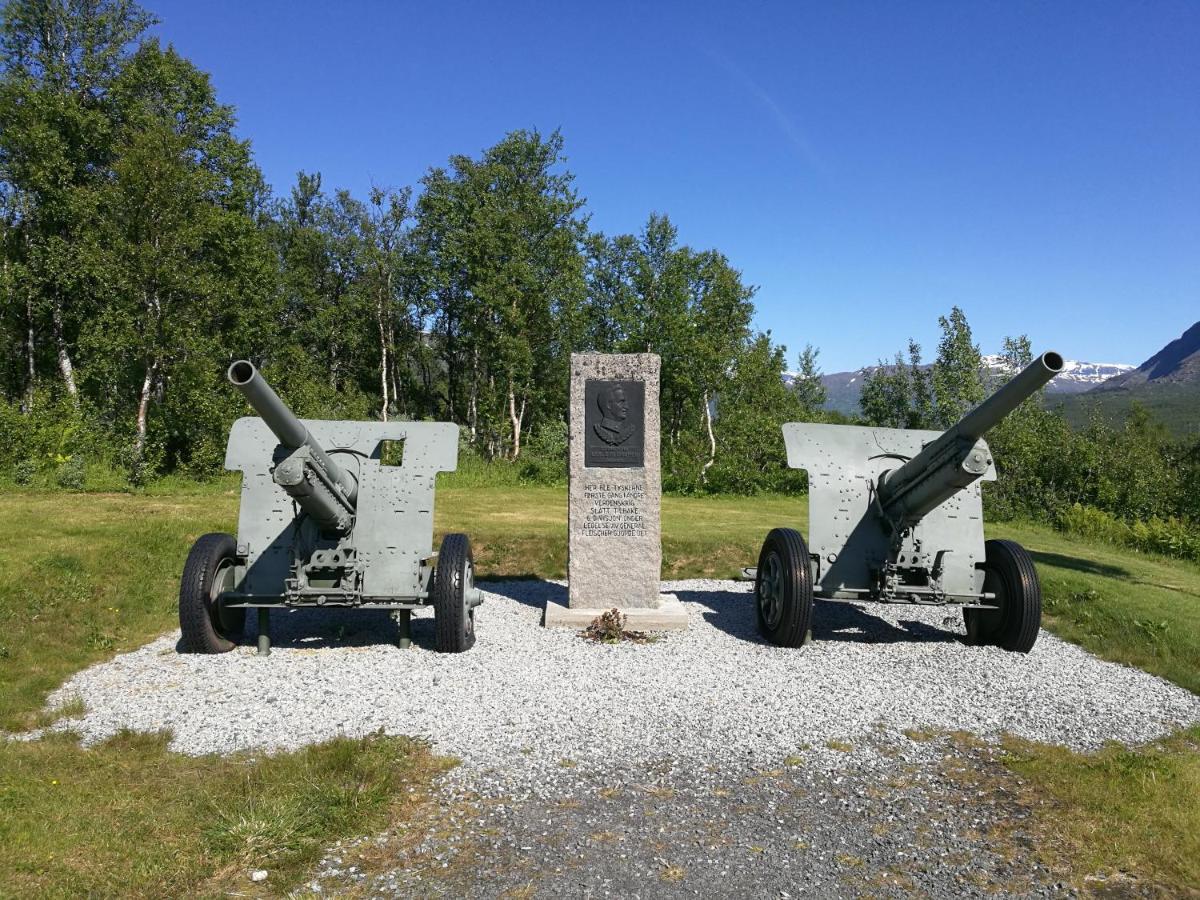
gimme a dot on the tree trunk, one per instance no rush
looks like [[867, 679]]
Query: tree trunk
[[139, 440], [515, 417], [389, 339], [64, 357], [391, 372], [473, 403], [381, 320], [451, 373], [383, 369], [30, 349], [31, 367], [153, 307], [712, 441], [426, 376]]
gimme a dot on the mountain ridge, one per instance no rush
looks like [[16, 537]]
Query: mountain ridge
[[1176, 363], [1167, 385], [843, 389]]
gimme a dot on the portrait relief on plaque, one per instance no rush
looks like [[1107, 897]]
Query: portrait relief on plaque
[[614, 424]]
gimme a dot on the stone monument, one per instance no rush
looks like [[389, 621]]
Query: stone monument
[[614, 553]]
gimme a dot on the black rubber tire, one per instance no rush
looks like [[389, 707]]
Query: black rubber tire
[[453, 620], [205, 627], [784, 559], [1011, 576]]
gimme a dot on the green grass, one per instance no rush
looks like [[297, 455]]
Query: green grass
[[129, 818], [1177, 406], [1138, 609], [84, 576], [93, 574], [1121, 810], [521, 531]]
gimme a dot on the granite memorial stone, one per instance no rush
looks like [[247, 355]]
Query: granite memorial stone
[[614, 545]]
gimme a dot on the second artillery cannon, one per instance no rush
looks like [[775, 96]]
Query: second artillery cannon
[[333, 513], [896, 515]]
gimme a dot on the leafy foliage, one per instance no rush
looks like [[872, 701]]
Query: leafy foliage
[[1170, 537], [810, 391], [1134, 484], [141, 253], [957, 380]]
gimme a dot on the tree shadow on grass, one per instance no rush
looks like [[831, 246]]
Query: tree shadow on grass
[[733, 612], [1178, 589], [1075, 564]]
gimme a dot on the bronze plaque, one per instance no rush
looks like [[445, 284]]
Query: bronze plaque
[[614, 424]]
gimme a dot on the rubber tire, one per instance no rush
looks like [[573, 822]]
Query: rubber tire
[[205, 628], [453, 622], [795, 620], [1011, 575]]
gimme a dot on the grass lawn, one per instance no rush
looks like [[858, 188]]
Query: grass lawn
[[87, 575], [1120, 810], [1128, 607], [128, 818], [522, 531]]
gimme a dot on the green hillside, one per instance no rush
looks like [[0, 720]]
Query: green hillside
[[1175, 405]]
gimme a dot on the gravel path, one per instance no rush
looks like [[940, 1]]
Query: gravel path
[[707, 762], [899, 819], [527, 702]]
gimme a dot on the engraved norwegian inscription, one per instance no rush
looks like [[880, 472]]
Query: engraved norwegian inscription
[[614, 424], [615, 556], [614, 510]]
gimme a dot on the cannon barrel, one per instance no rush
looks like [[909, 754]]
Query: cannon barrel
[[332, 497], [957, 458], [1020, 388]]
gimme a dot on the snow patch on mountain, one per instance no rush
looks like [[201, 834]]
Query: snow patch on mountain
[[1077, 376]]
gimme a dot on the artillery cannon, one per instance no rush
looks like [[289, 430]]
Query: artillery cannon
[[896, 515], [328, 517]]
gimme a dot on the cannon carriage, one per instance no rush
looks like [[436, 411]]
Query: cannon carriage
[[328, 517], [896, 516]]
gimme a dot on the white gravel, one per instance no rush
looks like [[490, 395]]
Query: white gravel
[[526, 699]]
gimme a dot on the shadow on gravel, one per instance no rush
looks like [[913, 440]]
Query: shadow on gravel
[[733, 613], [728, 611], [532, 592], [319, 629], [846, 622]]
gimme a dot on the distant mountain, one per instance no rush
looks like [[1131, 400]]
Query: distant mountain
[[1176, 363], [1075, 378], [1167, 384], [844, 388]]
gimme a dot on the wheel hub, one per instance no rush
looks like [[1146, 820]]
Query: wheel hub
[[468, 592], [770, 590]]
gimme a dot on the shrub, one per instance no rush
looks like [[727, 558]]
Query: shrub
[[24, 471], [1171, 536], [1096, 524], [544, 459], [609, 628], [72, 474]]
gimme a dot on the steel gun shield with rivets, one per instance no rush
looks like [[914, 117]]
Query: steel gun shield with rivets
[[329, 517], [896, 515]]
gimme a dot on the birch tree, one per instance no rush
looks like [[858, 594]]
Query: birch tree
[[58, 62], [180, 253]]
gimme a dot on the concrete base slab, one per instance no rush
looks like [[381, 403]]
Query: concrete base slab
[[671, 616]]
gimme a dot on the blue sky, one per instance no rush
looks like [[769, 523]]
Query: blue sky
[[866, 165]]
